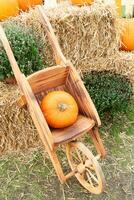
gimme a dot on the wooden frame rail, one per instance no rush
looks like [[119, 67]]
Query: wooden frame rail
[[34, 108]]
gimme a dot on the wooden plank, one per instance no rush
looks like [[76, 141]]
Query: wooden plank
[[40, 95], [34, 108], [78, 90], [36, 114], [47, 73], [44, 80], [82, 125], [58, 55], [47, 84], [98, 142], [42, 127]]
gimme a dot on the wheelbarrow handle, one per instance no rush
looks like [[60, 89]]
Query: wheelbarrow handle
[[59, 57], [25, 87]]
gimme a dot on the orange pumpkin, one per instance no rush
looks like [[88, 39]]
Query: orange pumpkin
[[127, 36], [26, 4], [82, 2], [60, 109], [8, 8]]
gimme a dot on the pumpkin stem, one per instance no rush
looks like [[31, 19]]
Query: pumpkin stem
[[62, 106]]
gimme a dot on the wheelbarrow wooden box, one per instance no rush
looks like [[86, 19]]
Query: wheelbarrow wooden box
[[63, 76]]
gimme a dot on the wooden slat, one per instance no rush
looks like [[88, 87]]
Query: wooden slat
[[76, 87], [98, 142], [40, 95], [78, 95], [45, 80], [42, 127], [36, 114], [59, 57], [50, 71], [82, 125]]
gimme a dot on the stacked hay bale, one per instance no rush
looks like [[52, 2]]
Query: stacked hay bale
[[88, 36], [17, 131]]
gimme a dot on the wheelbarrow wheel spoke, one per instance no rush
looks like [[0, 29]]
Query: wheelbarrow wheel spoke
[[89, 173], [89, 179], [92, 176]]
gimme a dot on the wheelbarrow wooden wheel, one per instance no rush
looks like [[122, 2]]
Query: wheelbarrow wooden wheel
[[88, 170]]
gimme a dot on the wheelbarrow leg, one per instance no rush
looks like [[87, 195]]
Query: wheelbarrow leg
[[98, 142], [57, 166]]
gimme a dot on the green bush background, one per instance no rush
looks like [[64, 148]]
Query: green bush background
[[26, 50], [110, 92]]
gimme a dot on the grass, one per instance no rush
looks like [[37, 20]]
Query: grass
[[23, 177], [120, 122], [31, 176]]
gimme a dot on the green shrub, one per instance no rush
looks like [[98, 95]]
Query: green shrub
[[25, 49], [110, 92]]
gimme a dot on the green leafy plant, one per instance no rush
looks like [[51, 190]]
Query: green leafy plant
[[26, 51], [110, 92]]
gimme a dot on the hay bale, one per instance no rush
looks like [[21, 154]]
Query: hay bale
[[17, 131], [88, 36], [84, 32], [120, 63]]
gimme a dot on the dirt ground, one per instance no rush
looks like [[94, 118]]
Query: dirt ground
[[27, 176], [118, 168], [30, 175]]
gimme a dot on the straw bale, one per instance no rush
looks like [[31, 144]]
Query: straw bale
[[17, 131], [120, 63], [84, 32], [88, 36]]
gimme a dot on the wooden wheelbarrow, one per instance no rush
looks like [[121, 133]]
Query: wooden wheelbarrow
[[63, 76]]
